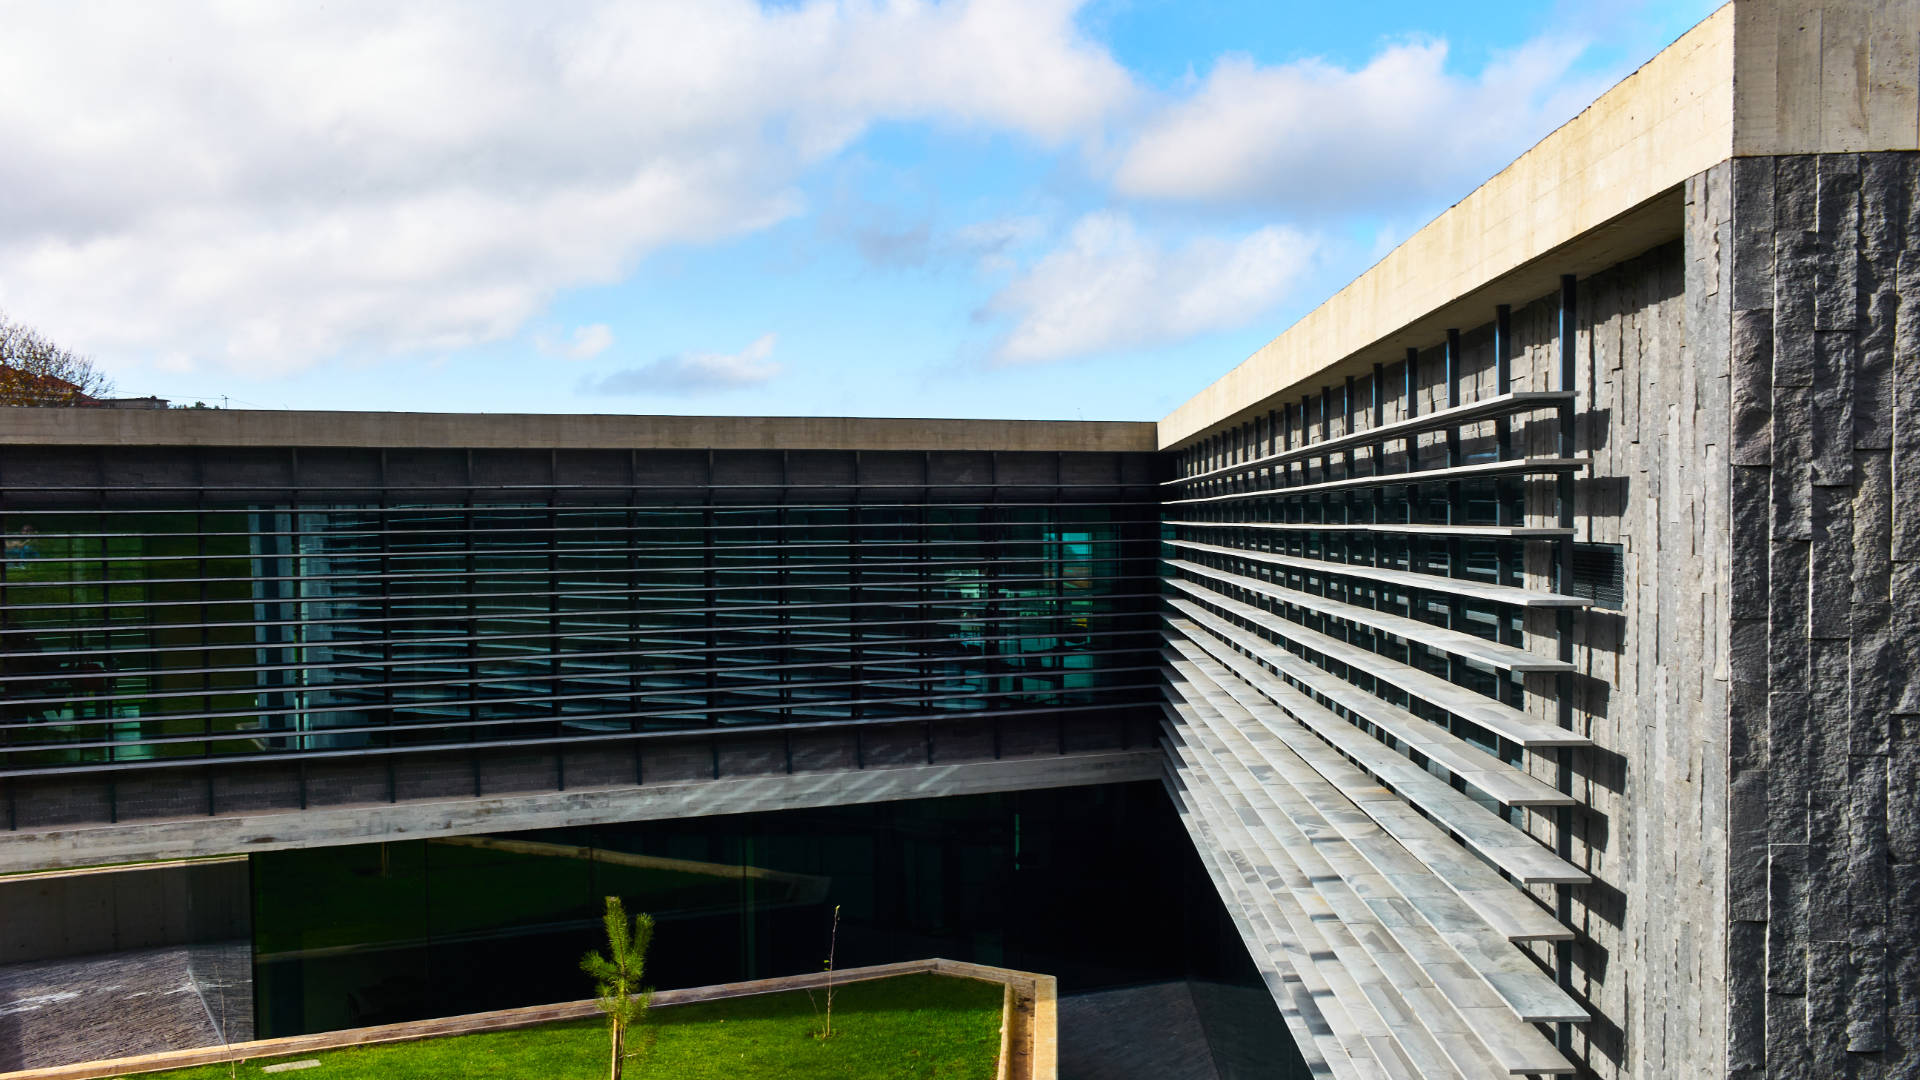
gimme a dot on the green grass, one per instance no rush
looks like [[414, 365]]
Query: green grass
[[924, 1027]]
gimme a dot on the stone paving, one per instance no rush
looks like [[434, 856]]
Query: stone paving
[[56, 1012], [1139, 1033]]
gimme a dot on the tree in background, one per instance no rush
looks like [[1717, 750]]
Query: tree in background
[[36, 371], [617, 975]]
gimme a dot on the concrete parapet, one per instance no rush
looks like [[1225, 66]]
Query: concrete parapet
[[272, 428]]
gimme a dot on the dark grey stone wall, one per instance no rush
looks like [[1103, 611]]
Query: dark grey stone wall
[[1823, 951]]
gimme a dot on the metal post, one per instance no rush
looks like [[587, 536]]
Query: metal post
[[1563, 580], [1502, 385], [1412, 374], [1455, 515], [1379, 454], [1273, 447]]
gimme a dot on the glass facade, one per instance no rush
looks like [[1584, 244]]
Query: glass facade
[[1096, 885], [148, 625]]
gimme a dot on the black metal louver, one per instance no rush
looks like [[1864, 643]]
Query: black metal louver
[[1600, 574]]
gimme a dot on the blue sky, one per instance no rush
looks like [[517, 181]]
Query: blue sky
[[984, 208]]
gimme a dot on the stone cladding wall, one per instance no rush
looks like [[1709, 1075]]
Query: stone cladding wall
[[1823, 863]]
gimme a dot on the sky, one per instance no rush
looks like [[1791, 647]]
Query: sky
[[1029, 209]]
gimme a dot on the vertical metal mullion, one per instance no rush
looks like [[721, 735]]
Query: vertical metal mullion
[[556, 667], [1563, 629], [1306, 440], [383, 525], [1283, 474], [1410, 404], [1379, 492], [1510, 558], [996, 666], [206, 634], [6, 736], [924, 666], [857, 666], [1270, 474], [1410, 493], [473, 625], [1346, 497], [290, 590], [783, 592], [1056, 569], [1502, 386], [1326, 473], [109, 730], [636, 682], [1456, 514], [711, 615], [1236, 456]]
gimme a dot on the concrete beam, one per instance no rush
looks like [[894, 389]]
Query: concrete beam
[[96, 845], [250, 427], [1826, 77]]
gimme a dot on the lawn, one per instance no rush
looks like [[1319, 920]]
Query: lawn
[[926, 1027]]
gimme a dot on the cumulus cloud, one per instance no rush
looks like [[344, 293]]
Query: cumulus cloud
[[1313, 136], [1109, 287], [692, 373], [261, 186], [587, 342]]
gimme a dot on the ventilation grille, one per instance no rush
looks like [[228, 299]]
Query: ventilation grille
[[1600, 574]]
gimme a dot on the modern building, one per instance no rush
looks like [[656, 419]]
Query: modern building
[[1510, 667]]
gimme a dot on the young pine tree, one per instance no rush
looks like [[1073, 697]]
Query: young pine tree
[[616, 976]]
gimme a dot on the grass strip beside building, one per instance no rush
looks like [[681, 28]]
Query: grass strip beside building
[[923, 1027]]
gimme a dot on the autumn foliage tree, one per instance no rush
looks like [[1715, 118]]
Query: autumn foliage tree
[[35, 370]]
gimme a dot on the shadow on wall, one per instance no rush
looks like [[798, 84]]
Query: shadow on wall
[[81, 949], [69, 913]]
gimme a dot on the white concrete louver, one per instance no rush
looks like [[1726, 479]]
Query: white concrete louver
[[1497, 717], [1389, 945]]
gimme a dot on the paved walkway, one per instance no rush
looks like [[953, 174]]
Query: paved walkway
[[1140, 1033], [56, 1012]]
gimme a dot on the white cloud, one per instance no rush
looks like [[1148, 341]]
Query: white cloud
[[1110, 288], [1312, 136], [693, 373], [587, 342], [260, 186]]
